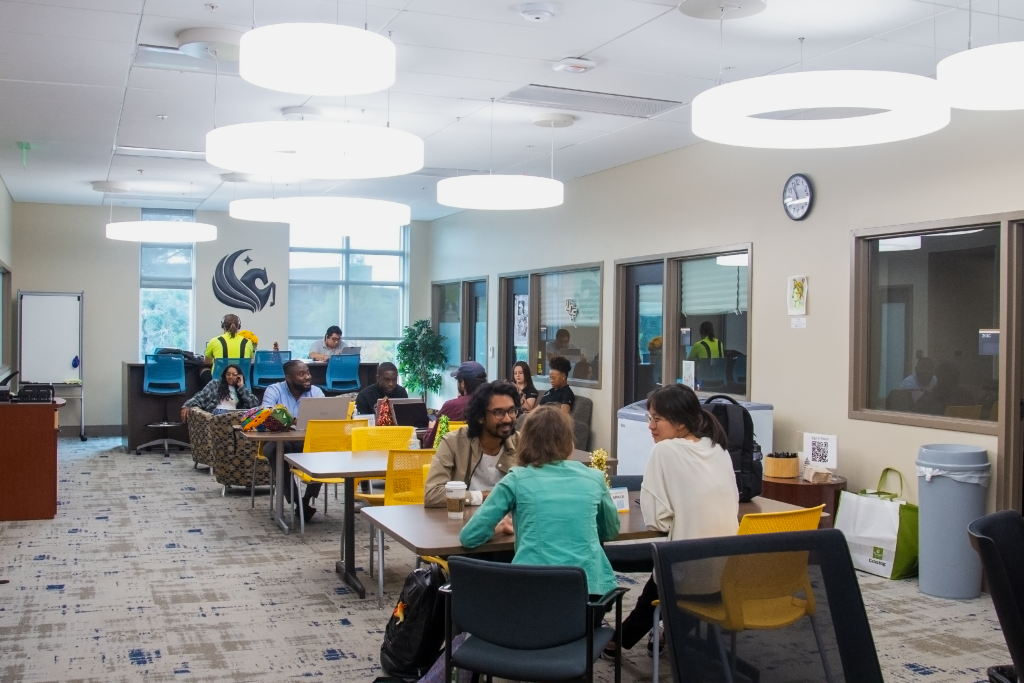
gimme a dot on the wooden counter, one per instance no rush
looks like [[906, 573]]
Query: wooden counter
[[28, 460]]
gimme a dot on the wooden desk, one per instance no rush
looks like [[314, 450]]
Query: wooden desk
[[28, 460], [805, 494], [318, 370], [350, 465], [139, 408]]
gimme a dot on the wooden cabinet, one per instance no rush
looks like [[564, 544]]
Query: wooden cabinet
[[28, 461], [796, 491]]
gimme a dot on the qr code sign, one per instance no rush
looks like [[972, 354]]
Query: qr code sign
[[819, 450]]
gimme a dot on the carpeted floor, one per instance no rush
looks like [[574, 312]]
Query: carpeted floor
[[148, 573]]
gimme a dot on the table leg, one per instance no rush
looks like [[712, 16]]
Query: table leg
[[278, 512], [346, 566]]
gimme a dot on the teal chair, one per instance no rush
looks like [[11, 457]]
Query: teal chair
[[244, 364]]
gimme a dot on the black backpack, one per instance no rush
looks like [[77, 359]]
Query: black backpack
[[739, 428], [415, 633]]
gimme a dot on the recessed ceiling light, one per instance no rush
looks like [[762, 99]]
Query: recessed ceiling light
[[574, 65], [536, 12]]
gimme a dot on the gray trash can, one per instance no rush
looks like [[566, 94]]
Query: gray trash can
[[952, 485]]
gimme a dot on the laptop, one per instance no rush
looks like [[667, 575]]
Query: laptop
[[394, 402], [411, 414], [317, 408], [351, 350]]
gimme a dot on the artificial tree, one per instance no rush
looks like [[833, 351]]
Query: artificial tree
[[421, 358]]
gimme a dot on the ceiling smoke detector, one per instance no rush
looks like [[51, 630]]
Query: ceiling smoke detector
[[553, 120], [536, 11], [209, 43], [573, 65]]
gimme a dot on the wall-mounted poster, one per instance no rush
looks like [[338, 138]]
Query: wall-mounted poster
[[522, 319], [796, 295]]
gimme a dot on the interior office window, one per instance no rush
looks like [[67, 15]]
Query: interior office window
[[933, 321], [713, 321], [165, 297], [357, 282], [447, 308], [476, 311], [516, 312], [569, 321]]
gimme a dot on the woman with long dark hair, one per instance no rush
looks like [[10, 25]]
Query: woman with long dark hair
[[689, 491], [221, 395], [524, 383]]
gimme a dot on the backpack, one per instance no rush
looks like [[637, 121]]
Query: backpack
[[739, 428], [415, 632]]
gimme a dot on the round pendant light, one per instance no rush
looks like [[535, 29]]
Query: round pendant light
[[985, 78], [317, 59], [500, 192], [316, 150], [345, 215], [912, 106], [161, 231]]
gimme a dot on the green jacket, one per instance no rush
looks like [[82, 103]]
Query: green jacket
[[561, 511]]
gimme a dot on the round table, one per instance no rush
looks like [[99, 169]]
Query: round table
[[796, 491]]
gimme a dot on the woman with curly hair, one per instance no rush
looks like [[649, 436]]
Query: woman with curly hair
[[221, 395]]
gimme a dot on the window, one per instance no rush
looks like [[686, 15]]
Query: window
[[358, 283], [932, 323], [570, 320], [165, 297], [713, 322], [515, 323], [459, 313]]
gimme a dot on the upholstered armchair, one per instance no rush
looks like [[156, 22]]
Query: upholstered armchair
[[199, 437], [213, 443]]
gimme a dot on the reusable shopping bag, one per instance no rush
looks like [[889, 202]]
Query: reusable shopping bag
[[880, 529]]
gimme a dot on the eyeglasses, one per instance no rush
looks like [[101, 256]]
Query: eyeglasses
[[334, 338], [651, 419], [498, 413]]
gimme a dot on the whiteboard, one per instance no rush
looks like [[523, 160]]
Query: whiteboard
[[50, 336]]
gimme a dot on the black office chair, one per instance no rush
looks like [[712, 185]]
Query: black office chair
[[629, 558], [700, 572], [538, 626], [999, 540]]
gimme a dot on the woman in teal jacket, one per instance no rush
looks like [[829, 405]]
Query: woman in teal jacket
[[561, 509]]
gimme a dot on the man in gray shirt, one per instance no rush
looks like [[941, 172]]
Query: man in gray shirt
[[331, 345]]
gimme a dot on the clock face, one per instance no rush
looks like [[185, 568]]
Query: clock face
[[797, 197]]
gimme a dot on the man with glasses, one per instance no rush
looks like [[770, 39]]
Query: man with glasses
[[330, 346], [469, 376], [482, 452]]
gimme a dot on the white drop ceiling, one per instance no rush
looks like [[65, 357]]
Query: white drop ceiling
[[70, 87]]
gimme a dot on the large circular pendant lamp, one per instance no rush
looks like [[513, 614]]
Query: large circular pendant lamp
[[317, 150], [344, 215], [317, 59], [500, 192], [161, 231], [912, 106], [985, 78]]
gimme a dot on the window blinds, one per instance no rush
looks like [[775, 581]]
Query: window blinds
[[711, 289]]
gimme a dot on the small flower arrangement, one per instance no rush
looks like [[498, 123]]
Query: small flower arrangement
[[654, 344], [599, 461], [250, 336]]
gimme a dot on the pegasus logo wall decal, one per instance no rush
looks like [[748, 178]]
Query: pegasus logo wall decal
[[242, 292]]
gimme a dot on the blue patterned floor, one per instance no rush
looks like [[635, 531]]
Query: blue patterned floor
[[148, 573]]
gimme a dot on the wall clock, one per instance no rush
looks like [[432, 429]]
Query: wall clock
[[797, 197]]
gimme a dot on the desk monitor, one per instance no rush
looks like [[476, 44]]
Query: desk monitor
[[393, 402], [411, 413], [351, 350], [318, 408]]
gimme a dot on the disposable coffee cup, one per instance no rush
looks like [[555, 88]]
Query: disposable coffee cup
[[455, 492]]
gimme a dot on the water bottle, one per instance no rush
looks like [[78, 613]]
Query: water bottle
[[414, 442]]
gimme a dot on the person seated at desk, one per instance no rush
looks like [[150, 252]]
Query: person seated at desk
[[297, 384], [523, 380], [559, 394], [331, 345], [228, 345], [923, 378], [708, 346], [387, 386], [470, 375], [561, 509], [689, 489], [480, 453], [221, 395]]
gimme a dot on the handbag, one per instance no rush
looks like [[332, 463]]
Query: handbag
[[881, 529], [264, 419]]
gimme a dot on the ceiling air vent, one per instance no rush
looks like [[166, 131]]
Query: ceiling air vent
[[584, 100]]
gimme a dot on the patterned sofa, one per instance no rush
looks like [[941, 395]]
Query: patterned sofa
[[213, 444]]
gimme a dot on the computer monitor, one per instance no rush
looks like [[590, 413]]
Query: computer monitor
[[411, 414], [351, 350]]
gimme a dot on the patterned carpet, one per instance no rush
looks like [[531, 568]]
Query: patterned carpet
[[148, 573]]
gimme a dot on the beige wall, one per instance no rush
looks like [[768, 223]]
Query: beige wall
[[710, 195], [6, 219], [63, 248]]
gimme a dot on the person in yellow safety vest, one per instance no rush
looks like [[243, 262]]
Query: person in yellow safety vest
[[708, 346], [228, 345]]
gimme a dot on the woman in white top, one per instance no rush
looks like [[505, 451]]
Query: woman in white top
[[689, 489]]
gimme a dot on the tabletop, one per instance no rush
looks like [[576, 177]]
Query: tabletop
[[340, 464], [287, 435], [428, 531]]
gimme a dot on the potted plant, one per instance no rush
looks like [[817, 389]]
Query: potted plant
[[421, 358]]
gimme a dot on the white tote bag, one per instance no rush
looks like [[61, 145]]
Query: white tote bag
[[872, 529]]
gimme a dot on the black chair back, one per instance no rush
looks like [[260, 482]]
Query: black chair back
[[519, 606], [629, 481], [999, 540], [695, 572]]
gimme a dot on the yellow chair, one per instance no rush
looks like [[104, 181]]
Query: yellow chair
[[760, 591], [379, 439], [326, 435], [964, 412], [452, 426]]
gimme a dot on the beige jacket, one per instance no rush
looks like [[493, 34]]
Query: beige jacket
[[456, 459]]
